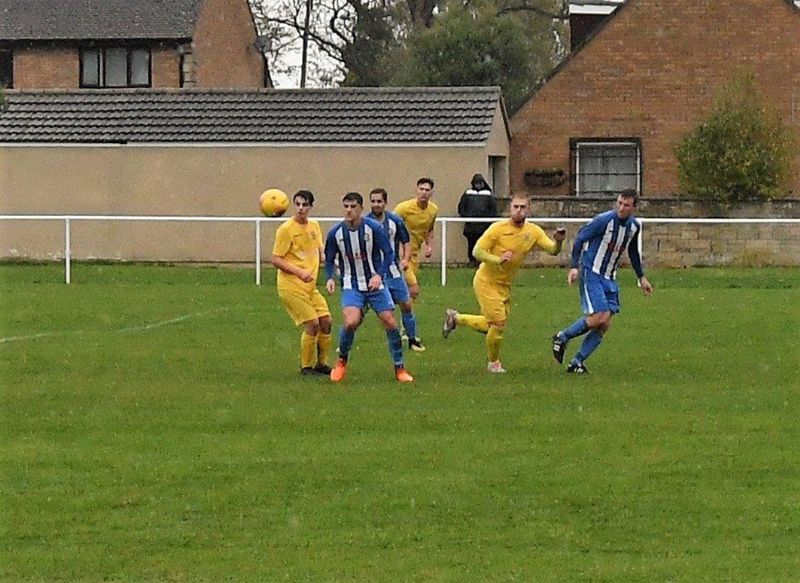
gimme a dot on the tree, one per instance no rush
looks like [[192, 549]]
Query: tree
[[344, 41], [475, 47], [742, 151]]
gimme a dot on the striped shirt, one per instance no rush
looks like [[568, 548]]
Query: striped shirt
[[360, 253], [599, 244], [398, 235]]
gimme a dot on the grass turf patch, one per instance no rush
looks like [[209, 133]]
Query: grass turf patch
[[155, 428]]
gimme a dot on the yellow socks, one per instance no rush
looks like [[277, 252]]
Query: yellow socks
[[308, 350], [323, 348], [494, 338], [478, 323]]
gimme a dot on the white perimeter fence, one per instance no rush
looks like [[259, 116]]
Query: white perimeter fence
[[69, 220]]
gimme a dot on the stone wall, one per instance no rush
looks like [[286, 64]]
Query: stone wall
[[692, 244]]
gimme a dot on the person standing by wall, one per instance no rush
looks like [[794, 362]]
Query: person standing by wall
[[477, 201]]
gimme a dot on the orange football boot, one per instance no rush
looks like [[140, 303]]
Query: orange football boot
[[338, 371], [401, 374]]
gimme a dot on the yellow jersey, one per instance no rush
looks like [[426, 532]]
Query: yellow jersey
[[419, 221], [505, 236], [299, 245]]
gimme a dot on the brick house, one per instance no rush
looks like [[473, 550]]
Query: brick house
[[611, 114], [93, 44]]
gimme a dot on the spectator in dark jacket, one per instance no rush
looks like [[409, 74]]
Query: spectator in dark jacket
[[477, 201]]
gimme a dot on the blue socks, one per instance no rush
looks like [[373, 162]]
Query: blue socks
[[345, 342], [577, 328], [410, 324], [590, 344], [396, 345]]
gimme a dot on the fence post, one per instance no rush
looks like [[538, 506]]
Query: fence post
[[67, 252], [444, 252], [258, 251]]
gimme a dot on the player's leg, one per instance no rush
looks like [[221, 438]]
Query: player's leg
[[401, 297], [598, 323], [478, 322], [323, 346], [352, 304], [496, 313], [586, 288], [381, 302], [300, 309], [410, 275]]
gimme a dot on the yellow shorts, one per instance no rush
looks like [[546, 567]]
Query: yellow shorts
[[410, 274], [303, 306], [494, 300]]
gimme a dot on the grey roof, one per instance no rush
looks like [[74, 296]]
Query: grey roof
[[96, 19], [457, 114]]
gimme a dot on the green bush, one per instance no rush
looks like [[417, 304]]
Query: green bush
[[741, 152]]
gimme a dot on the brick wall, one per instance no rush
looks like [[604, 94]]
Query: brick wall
[[165, 67], [51, 67], [224, 52], [651, 72], [687, 245]]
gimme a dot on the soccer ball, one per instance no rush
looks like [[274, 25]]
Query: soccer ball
[[273, 202]]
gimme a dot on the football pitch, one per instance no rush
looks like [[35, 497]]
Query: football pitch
[[155, 428]]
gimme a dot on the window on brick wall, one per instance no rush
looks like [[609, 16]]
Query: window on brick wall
[[6, 68], [115, 67], [604, 167]]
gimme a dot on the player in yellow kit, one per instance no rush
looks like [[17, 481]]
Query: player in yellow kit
[[297, 254], [419, 215], [501, 250]]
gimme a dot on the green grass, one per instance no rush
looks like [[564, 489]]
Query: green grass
[[158, 430]]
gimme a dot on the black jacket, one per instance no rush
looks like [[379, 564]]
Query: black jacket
[[476, 203]]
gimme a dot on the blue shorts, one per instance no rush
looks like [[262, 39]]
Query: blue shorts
[[398, 288], [380, 300], [598, 294]]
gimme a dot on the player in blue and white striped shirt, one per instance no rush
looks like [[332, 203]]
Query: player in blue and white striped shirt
[[400, 240], [597, 249], [364, 255]]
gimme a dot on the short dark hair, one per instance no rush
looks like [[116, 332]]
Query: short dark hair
[[424, 180], [306, 195], [630, 193], [354, 196], [381, 191]]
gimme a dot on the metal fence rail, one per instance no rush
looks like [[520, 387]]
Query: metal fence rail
[[257, 221]]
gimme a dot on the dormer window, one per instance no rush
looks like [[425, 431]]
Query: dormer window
[[115, 67]]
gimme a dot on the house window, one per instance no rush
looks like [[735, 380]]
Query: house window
[[604, 167], [115, 67], [7, 68]]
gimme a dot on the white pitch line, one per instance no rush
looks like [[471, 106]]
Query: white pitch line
[[144, 328]]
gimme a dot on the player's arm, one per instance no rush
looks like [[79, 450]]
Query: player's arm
[[552, 246], [486, 242], [284, 265], [331, 249], [405, 243], [429, 238], [589, 231], [636, 263], [387, 253]]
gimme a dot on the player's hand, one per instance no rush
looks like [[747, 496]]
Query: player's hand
[[647, 288], [572, 276], [374, 282], [330, 285], [404, 264], [560, 234], [506, 256], [428, 251], [305, 276]]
